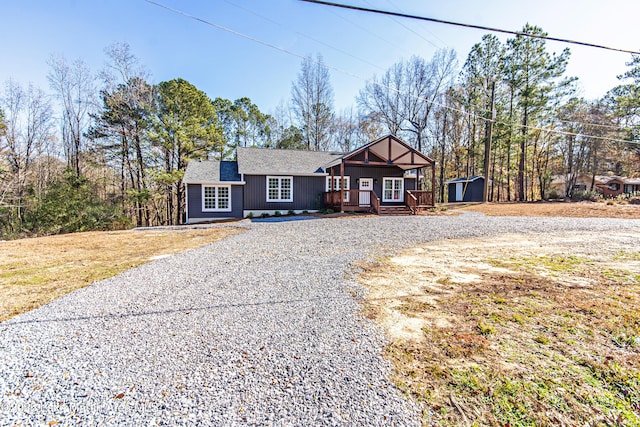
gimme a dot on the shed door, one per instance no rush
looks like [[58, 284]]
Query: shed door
[[366, 185], [458, 192]]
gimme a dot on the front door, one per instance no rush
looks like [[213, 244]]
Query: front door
[[366, 185]]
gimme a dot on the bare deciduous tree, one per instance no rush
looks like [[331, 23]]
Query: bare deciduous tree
[[312, 99], [74, 85], [404, 97], [28, 130], [381, 100]]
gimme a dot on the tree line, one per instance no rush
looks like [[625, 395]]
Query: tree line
[[109, 150]]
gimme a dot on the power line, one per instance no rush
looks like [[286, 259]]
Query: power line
[[397, 21], [368, 31], [250, 38], [426, 29], [459, 110], [344, 52], [459, 24]]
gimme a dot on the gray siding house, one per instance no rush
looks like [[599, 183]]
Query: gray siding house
[[213, 191], [282, 180], [380, 175]]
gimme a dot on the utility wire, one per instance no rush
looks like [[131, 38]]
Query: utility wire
[[344, 52], [297, 55], [478, 27], [368, 31], [253, 39], [426, 29], [397, 21]]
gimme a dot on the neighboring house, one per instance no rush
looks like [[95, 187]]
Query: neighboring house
[[466, 189], [375, 178], [560, 186], [610, 186], [631, 186], [607, 185]]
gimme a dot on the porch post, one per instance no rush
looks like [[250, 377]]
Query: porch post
[[433, 183], [331, 182], [331, 190], [341, 186]]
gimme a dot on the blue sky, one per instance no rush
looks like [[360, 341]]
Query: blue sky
[[358, 44]]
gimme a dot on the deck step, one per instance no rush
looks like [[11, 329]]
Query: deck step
[[395, 210]]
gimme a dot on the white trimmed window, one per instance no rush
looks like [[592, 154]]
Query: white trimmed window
[[392, 189], [216, 198], [279, 189], [336, 185]]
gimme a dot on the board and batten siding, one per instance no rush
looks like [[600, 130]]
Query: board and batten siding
[[377, 173], [195, 204], [307, 194]]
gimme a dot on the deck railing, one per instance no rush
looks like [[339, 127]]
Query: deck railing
[[352, 200], [418, 200]]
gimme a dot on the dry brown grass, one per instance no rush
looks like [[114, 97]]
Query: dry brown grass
[[35, 271], [560, 209], [527, 332]]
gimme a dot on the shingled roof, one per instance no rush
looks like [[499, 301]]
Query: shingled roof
[[211, 172], [265, 161]]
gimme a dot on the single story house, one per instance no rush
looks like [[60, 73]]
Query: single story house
[[469, 189], [610, 186], [631, 186], [560, 184], [379, 177], [607, 185]]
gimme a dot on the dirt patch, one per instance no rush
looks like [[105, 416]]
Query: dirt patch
[[608, 209], [35, 271], [528, 330]]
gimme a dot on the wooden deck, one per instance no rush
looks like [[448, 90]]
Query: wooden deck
[[353, 201], [368, 201]]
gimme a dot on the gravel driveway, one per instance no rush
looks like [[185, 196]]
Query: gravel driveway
[[261, 328]]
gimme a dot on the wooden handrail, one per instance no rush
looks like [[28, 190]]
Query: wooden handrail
[[375, 201], [412, 202]]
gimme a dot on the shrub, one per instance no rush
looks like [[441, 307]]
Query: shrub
[[277, 213], [541, 339], [291, 212], [71, 204], [250, 215], [264, 214], [305, 211], [591, 196], [485, 329], [553, 194]]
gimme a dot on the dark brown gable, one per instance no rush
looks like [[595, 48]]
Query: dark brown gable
[[388, 151]]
